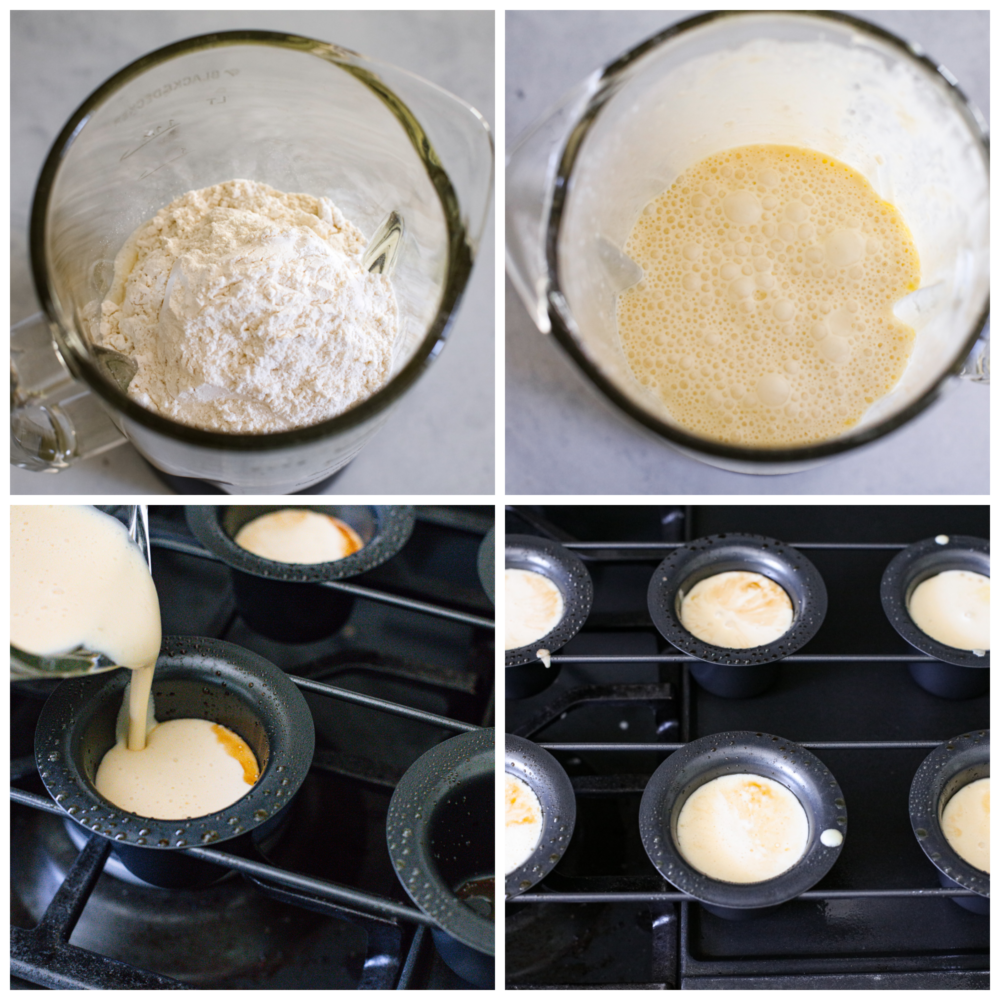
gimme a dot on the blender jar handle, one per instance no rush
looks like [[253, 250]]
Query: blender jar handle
[[977, 364], [530, 181], [54, 421]]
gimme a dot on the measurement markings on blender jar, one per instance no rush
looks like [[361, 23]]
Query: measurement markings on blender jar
[[587, 904], [382, 942]]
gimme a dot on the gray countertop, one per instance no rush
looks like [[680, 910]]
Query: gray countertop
[[561, 439], [440, 438]]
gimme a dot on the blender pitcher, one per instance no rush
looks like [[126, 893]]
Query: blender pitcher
[[577, 182], [408, 163]]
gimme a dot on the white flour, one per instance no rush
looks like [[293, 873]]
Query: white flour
[[247, 310]]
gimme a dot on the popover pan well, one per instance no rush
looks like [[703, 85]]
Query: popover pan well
[[737, 673], [440, 831], [702, 760], [544, 775], [957, 673], [943, 772], [525, 673], [486, 564], [195, 678], [283, 600]]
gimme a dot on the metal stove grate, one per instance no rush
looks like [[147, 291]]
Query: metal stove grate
[[676, 955], [397, 933]]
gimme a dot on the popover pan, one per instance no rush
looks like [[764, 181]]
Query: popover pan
[[702, 760], [441, 834], [943, 772], [543, 774], [736, 673], [486, 564], [958, 673], [284, 601], [525, 673], [194, 678]]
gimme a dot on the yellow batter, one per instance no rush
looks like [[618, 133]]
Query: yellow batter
[[737, 610], [523, 822], [534, 607], [764, 316], [966, 823], [742, 828], [190, 767], [954, 608]]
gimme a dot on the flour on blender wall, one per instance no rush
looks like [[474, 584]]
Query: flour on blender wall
[[248, 310]]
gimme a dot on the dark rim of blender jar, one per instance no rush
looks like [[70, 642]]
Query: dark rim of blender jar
[[556, 297], [235, 672], [919, 562], [426, 784], [686, 770], [486, 564], [713, 554], [394, 525], [566, 570], [544, 775], [966, 756], [458, 270]]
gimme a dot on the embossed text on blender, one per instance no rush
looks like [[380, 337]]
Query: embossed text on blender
[[183, 81]]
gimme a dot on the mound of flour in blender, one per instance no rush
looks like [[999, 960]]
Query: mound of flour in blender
[[248, 310]]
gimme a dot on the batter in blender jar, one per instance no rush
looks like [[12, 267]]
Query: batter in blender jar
[[765, 313]]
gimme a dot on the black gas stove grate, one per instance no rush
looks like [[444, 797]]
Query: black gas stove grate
[[399, 947], [680, 945]]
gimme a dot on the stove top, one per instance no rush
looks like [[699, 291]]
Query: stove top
[[624, 932], [100, 928]]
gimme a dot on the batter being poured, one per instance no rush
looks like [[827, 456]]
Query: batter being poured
[[78, 580], [765, 313]]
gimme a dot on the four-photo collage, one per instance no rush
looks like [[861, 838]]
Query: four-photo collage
[[684, 312]]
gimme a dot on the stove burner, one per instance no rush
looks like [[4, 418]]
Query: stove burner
[[165, 930]]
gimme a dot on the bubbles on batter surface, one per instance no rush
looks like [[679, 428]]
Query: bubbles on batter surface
[[765, 313]]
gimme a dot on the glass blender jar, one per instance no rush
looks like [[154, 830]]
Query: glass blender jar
[[408, 163], [577, 181]]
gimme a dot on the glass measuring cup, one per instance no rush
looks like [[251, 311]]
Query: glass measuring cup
[[578, 180], [408, 163], [81, 661]]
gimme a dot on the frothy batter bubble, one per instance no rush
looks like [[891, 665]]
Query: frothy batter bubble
[[765, 313]]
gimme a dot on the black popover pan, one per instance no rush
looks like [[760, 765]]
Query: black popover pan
[[737, 673], [943, 772], [195, 678], [525, 673], [543, 774], [441, 833], [486, 564], [284, 601], [958, 673], [702, 760]]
